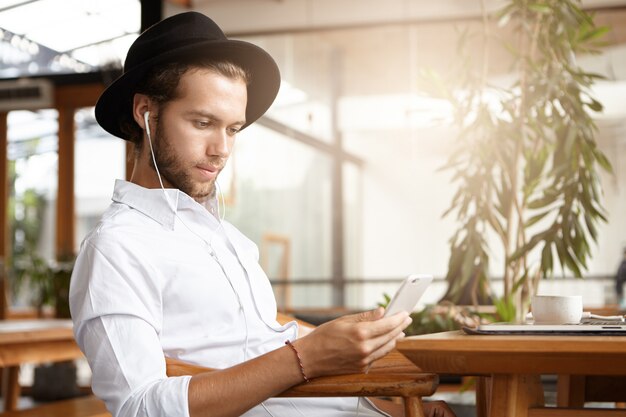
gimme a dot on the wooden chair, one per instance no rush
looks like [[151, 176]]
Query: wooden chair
[[392, 376]]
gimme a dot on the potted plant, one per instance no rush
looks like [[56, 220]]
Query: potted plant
[[526, 163]]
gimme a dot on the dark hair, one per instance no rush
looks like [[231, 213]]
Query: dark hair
[[161, 85]]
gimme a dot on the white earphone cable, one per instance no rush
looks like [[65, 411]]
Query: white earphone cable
[[220, 196], [207, 243], [220, 216], [146, 118]]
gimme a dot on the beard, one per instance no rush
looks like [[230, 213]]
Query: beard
[[177, 172]]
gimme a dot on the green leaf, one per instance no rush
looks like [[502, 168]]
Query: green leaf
[[595, 105], [386, 300], [525, 249], [567, 259], [591, 227], [594, 34], [603, 161], [519, 282], [546, 259], [540, 8], [505, 308], [542, 202], [536, 218]]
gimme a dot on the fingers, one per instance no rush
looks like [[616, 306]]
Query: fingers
[[370, 315], [383, 345], [386, 325], [379, 337], [352, 343]]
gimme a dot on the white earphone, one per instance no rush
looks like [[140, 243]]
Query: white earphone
[[146, 118]]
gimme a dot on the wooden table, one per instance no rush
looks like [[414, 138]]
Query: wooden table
[[513, 364], [32, 341]]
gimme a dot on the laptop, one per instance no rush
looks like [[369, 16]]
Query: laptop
[[587, 326]]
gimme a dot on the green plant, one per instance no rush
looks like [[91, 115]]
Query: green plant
[[442, 317], [47, 282], [33, 272], [44, 282], [505, 309], [526, 161], [29, 270]]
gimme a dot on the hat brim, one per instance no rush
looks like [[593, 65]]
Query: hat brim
[[116, 100]]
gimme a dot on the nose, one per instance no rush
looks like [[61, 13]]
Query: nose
[[220, 144]]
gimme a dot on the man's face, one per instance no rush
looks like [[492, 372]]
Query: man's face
[[195, 132]]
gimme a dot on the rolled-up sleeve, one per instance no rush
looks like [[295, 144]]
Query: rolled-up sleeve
[[116, 308]]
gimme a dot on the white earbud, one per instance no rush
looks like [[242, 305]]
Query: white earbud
[[146, 118]]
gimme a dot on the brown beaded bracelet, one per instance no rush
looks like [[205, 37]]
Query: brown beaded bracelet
[[288, 343]]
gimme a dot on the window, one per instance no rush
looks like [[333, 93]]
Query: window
[[94, 177], [33, 172]]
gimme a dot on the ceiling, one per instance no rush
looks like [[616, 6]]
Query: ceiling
[[253, 17], [64, 36], [366, 49]]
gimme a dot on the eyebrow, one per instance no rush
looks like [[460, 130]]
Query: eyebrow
[[211, 116]]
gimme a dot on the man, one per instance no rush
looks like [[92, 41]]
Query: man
[[162, 274]]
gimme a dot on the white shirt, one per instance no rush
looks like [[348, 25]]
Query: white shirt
[[163, 276]]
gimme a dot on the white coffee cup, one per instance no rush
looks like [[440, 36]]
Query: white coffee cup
[[557, 309]]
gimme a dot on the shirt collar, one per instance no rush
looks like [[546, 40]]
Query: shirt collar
[[153, 203]]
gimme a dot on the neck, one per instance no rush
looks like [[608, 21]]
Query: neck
[[145, 175]]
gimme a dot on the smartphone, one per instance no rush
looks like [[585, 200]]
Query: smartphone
[[409, 293]]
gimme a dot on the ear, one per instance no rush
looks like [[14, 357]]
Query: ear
[[141, 104]]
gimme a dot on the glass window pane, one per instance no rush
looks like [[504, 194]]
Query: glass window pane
[[278, 194], [33, 172], [304, 100], [353, 231], [94, 176], [311, 296], [353, 227]]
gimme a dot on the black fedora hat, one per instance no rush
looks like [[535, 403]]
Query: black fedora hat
[[184, 36]]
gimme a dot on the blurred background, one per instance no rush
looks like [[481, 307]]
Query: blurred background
[[339, 184]]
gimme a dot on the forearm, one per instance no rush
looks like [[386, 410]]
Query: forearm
[[345, 345], [233, 391]]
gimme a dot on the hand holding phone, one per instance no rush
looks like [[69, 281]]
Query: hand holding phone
[[408, 294]]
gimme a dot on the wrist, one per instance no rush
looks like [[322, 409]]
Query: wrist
[[298, 358], [308, 351]]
